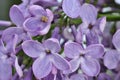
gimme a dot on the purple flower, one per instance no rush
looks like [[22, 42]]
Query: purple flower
[[40, 22], [71, 8], [17, 18], [78, 77], [112, 57], [104, 76], [86, 58], [46, 3], [6, 53], [92, 27], [47, 56]]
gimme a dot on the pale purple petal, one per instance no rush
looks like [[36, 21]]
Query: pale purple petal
[[5, 23], [95, 50], [52, 44], [3, 50], [72, 49], [33, 48], [75, 64], [88, 13], [50, 15], [117, 77], [71, 8], [45, 30], [90, 66], [111, 59], [18, 68], [34, 24], [42, 67], [47, 3], [10, 32], [37, 10], [101, 22], [5, 70], [92, 37], [16, 15], [29, 74], [104, 76], [11, 45], [60, 62], [78, 77], [116, 40]]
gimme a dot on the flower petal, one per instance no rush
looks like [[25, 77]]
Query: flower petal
[[9, 33], [111, 59], [5, 70], [95, 50], [36, 10], [72, 49], [11, 45], [104, 76], [75, 63], [88, 13], [50, 14], [92, 37], [34, 24], [52, 44], [33, 48], [59, 62], [101, 22], [3, 50], [116, 40], [16, 15], [71, 8], [42, 67], [78, 77], [18, 68], [90, 67]]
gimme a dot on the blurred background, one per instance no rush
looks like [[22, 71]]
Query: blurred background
[[4, 8]]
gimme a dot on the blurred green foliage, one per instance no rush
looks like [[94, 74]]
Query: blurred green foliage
[[5, 6]]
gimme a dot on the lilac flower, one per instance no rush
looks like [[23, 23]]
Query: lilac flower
[[117, 77], [112, 57], [17, 18], [86, 58], [27, 75], [47, 56], [104, 76], [46, 3], [6, 62], [91, 26], [40, 22], [78, 77], [71, 8]]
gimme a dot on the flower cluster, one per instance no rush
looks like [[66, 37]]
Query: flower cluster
[[52, 40]]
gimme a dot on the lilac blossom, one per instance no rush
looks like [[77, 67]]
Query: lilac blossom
[[18, 19], [71, 8], [40, 22], [6, 58], [84, 58], [112, 57], [92, 27], [47, 56], [53, 40]]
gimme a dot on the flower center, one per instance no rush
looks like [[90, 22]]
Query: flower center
[[48, 51], [44, 19], [90, 26], [82, 55]]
